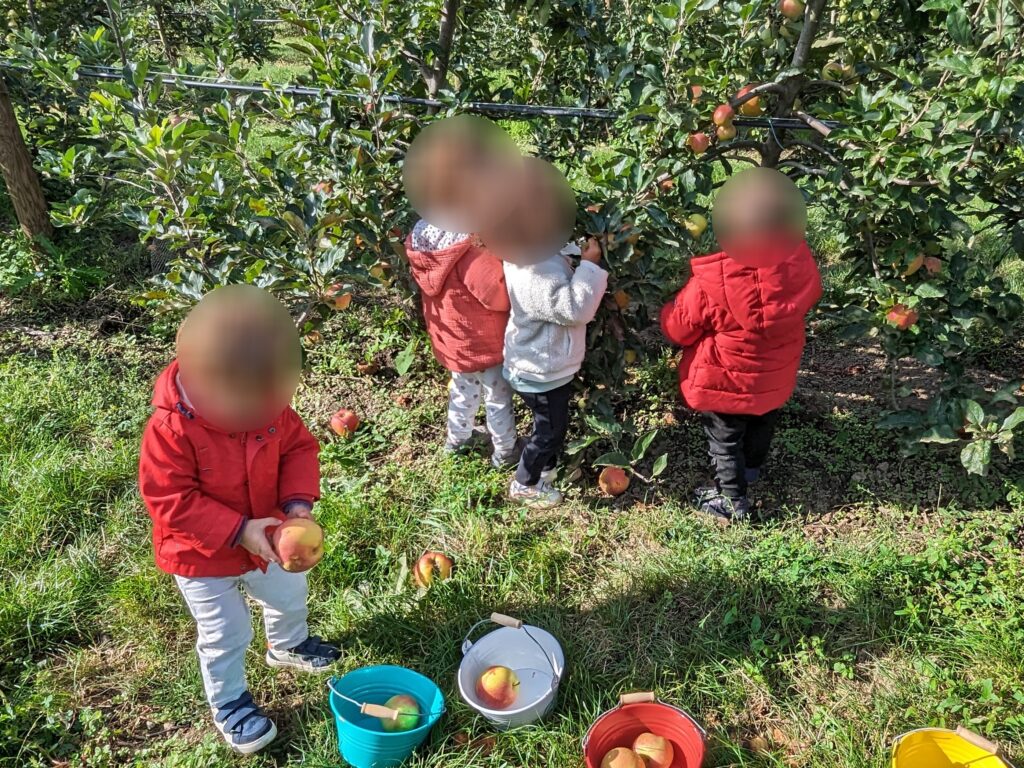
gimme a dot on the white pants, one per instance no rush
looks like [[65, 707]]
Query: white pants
[[464, 402], [225, 625]]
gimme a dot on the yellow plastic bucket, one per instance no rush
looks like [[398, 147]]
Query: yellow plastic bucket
[[942, 748]]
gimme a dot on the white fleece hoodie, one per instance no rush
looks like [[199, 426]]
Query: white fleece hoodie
[[546, 337]]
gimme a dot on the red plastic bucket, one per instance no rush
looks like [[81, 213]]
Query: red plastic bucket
[[641, 713]]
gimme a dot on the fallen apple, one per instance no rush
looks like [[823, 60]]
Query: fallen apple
[[409, 717], [791, 9], [622, 299], [344, 422], [338, 297], [699, 142], [932, 265], [299, 543], [902, 316], [726, 132], [498, 687], [723, 115], [629, 356], [430, 566], [622, 757], [695, 225], [613, 481], [656, 751]]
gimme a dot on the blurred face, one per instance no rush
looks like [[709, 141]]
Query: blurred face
[[239, 357], [457, 171], [540, 220], [759, 217]]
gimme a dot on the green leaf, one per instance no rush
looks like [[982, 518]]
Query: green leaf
[[1013, 420], [976, 457], [660, 464], [941, 434], [959, 25], [405, 358], [614, 459], [974, 412], [929, 291], [642, 444]]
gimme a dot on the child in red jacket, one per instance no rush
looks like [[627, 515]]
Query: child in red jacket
[[224, 459], [740, 319], [453, 174]]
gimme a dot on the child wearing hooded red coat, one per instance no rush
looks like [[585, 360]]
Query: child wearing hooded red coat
[[224, 459], [740, 319]]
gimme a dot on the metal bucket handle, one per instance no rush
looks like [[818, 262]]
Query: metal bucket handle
[[379, 710], [507, 621], [644, 697]]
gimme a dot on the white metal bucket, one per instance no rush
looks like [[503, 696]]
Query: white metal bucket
[[531, 652]]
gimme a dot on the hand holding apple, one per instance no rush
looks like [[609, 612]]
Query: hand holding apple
[[298, 544], [254, 538]]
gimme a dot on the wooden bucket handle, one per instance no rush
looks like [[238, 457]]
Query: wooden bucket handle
[[642, 697], [979, 741]]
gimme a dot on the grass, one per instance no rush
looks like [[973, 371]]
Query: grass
[[867, 600]]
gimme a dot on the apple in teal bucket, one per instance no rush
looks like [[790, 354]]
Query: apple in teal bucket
[[409, 714]]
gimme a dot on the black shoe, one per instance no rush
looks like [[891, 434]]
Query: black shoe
[[724, 509]]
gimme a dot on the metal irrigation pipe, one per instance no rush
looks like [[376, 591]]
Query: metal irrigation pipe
[[199, 82]]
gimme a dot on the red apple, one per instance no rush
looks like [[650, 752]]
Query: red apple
[[791, 9], [613, 481], [699, 142], [723, 115], [751, 107], [726, 132], [344, 422], [902, 316], [932, 265], [323, 187], [497, 688], [432, 565], [656, 751], [299, 543]]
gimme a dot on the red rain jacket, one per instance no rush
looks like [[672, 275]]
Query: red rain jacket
[[465, 304], [743, 331], [200, 483]]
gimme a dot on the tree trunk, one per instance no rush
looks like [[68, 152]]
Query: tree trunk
[[19, 175], [160, 10], [438, 75], [771, 150]]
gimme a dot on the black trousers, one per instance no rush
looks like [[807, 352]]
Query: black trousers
[[550, 423], [737, 443]]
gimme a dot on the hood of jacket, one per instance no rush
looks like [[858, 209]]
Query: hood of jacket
[[431, 268], [763, 300]]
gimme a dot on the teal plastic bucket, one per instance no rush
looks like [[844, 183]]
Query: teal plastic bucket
[[362, 741]]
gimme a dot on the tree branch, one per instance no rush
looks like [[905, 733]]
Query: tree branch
[[812, 17]]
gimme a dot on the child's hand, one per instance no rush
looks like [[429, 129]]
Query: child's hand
[[254, 538], [592, 251], [298, 509]]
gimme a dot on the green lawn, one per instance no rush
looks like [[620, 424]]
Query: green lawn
[[873, 596]]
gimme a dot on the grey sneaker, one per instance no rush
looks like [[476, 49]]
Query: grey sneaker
[[724, 509], [510, 458], [311, 655], [539, 496], [244, 726]]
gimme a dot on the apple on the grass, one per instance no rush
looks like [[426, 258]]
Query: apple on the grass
[[408, 718], [622, 757], [299, 543], [656, 751], [498, 687], [613, 481], [344, 422], [430, 566]]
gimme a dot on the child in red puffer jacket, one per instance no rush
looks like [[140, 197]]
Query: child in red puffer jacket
[[740, 319], [224, 458], [453, 175]]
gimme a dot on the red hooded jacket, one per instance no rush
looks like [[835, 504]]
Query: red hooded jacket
[[200, 483], [743, 331], [465, 304]]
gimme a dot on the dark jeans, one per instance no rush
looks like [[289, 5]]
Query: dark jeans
[[550, 423], [737, 443]]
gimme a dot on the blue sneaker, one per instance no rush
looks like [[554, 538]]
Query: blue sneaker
[[311, 655], [244, 726], [752, 475]]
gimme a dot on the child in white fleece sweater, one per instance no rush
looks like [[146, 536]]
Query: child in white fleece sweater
[[551, 304]]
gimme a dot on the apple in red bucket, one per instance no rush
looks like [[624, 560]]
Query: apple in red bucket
[[622, 757], [655, 750]]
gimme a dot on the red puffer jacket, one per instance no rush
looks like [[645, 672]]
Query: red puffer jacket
[[743, 331], [465, 304], [200, 483]]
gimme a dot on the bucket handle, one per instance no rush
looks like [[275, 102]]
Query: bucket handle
[[512, 623], [378, 710], [644, 697], [979, 741], [648, 697]]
